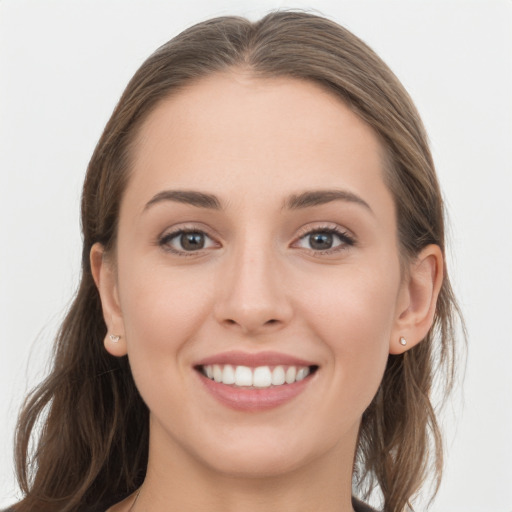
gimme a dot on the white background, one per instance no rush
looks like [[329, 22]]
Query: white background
[[64, 64]]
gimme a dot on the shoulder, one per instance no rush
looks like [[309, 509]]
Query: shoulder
[[359, 506]]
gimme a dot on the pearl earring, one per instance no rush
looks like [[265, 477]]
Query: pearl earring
[[403, 341]]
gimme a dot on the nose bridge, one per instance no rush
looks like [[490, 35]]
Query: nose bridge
[[253, 293]]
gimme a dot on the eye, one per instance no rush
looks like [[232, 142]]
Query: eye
[[325, 240], [186, 241]]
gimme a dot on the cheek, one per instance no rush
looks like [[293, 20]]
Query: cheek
[[356, 305], [161, 309], [355, 320]]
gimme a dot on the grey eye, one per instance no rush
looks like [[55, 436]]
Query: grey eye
[[186, 241], [323, 240], [192, 241], [320, 241]]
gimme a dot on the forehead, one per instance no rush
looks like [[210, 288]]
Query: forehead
[[231, 129]]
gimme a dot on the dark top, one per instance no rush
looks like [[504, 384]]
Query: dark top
[[359, 506]]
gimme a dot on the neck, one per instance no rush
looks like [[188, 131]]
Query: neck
[[180, 482]]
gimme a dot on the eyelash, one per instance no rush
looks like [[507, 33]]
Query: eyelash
[[165, 240], [345, 238]]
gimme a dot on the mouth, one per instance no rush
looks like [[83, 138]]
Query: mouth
[[260, 377], [255, 382]]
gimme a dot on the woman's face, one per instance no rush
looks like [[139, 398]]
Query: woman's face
[[256, 231]]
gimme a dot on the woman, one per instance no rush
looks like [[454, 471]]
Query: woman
[[264, 298]]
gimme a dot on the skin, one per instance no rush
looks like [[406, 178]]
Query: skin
[[258, 285]]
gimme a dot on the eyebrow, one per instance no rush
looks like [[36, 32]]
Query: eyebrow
[[306, 199], [191, 197], [319, 197]]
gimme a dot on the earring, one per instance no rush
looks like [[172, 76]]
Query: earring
[[403, 341], [114, 338]]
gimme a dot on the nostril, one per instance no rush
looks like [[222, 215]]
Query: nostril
[[247, 326]]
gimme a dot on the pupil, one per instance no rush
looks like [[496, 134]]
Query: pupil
[[320, 241], [192, 241]]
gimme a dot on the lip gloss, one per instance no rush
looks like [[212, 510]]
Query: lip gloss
[[253, 399]]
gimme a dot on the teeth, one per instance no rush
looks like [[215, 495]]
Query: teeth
[[228, 375], [262, 377], [243, 376], [217, 373], [290, 374], [259, 377], [302, 374], [278, 376]]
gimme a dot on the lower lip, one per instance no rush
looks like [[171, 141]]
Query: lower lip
[[251, 399]]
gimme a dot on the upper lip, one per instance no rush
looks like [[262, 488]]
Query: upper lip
[[238, 358]]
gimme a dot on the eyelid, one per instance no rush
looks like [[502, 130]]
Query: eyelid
[[312, 227], [346, 236], [171, 233]]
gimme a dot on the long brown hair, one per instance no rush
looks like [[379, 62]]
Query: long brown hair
[[93, 435]]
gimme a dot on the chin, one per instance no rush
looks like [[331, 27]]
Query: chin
[[264, 464], [261, 456]]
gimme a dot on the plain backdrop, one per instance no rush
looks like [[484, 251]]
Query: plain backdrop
[[63, 66]]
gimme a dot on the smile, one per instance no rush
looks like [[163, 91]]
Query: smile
[[259, 377], [255, 382]]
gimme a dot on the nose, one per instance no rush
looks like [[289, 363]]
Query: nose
[[253, 297]]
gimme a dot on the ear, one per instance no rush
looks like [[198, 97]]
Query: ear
[[417, 299], [104, 275]]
